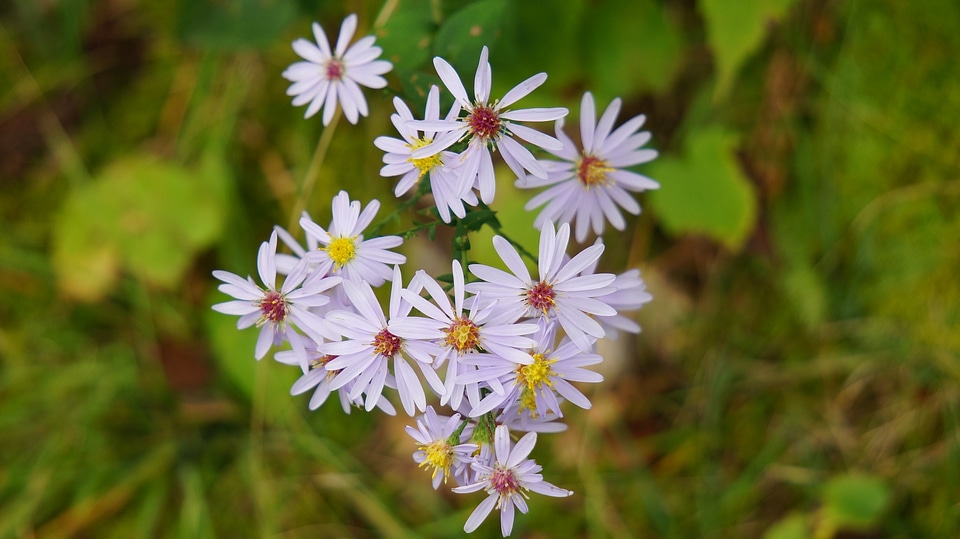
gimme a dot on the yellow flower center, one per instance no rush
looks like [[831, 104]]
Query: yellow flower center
[[532, 377], [439, 456], [425, 164], [463, 335], [342, 250], [592, 171]]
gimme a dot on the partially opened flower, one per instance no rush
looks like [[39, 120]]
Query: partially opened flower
[[490, 126], [439, 449], [507, 481], [589, 184], [327, 77]]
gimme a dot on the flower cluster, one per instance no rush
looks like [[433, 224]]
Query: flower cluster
[[501, 349]]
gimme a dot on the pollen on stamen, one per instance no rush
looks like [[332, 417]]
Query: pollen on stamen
[[273, 307], [541, 297], [342, 250], [439, 456], [504, 481], [462, 335], [386, 344], [592, 171], [335, 69], [424, 164], [484, 122]]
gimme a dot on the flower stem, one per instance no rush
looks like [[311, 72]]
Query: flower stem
[[313, 171]]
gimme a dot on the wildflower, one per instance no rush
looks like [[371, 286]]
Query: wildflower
[[276, 312], [490, 126], [343, 250], [326, 77], [439, 447], [590, 184], [448, 195], [319, 377], [559, 294], [507, 481]]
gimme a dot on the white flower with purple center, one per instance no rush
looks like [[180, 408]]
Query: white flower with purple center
[[455, 334], [507, 481], [590, 184], [328, 77], [343, 250], [539, 386], [448, 194], [370, 347], [439, 447], [560, 293], [490, 126], [319, 377], [277, 312]]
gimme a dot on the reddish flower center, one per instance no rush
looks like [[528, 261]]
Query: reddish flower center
[[335, 69], [484, 122], [273, 307], [322, 362], [386, 344], [592, 171], [541, 296], [504, 481]]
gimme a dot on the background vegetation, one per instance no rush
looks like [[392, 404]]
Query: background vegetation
[[798, 371]]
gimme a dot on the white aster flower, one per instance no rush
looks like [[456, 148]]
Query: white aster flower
[[559, 294], [590, 184], [456, 334], [276, 312], [507, 481], [328, 77], [440, 448], [370, 347], [399, 159], [540, 386], [343, 250], [319, 377], [490, 126]]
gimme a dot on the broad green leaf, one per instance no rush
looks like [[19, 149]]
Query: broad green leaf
[[794, 526], [237, 24], [630, 45], [735, 31], [855, 500], [461, 36], [85, 259], [704, 192], [407, 36]]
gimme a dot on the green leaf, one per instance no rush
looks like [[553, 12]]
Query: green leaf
[[237, 24], [406, 38], [734, 32], [461, 36], [638, 48], [855, 500], [794, 526], [704, 191]]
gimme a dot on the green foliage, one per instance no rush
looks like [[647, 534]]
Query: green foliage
[[238, 24], [854, 501], [705, 192], [463, 34]]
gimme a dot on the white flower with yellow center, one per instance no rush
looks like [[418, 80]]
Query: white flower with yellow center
[[439, 448], [343, 250], [589, 184]]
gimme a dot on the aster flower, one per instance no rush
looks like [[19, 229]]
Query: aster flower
[[328, 77], [370, 347], [560, 293], [319, 377], [455, 334], [343, 250], [490, 126], [507, 481], [439, 447], [277, 312], [399, 160], [590, 183]]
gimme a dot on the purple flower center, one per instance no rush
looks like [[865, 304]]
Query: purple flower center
[[386, 344], [273, 307], [484, 122], [592, 171], [541, 296], [504, 481], [335, 69]]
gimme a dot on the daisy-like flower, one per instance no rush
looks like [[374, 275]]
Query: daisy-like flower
[[439, 446], [277, 312], [370, 348], [399, 160], [559, 294], [343, 251], [507, 481], [490, 126], [456, 334], [535, 387], [590, 183], [319, 377], [328, 77]]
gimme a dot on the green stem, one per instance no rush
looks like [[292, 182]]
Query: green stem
[[313, 171]]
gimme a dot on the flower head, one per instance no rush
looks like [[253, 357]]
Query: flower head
[[327, 77], [439, 446], [590, 183]]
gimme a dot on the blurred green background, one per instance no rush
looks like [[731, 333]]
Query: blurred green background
[[798, 371]]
